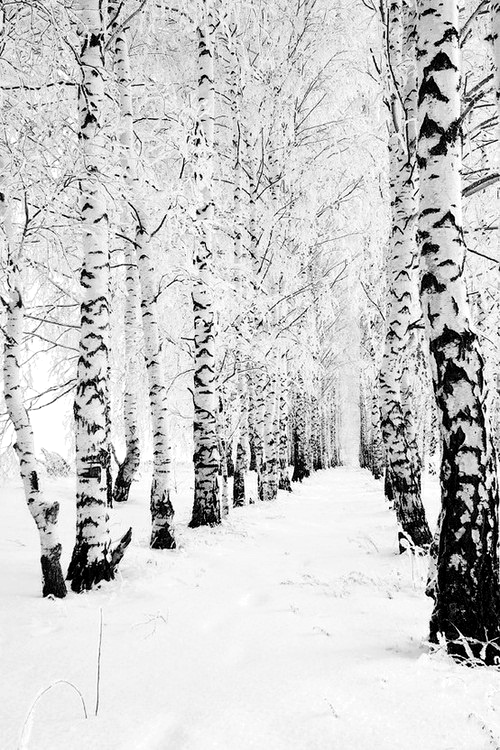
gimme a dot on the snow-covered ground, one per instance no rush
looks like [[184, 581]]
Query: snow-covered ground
[[294, 626]]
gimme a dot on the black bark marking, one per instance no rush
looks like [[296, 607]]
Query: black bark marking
[[52, 576], [428, 248], [441, 61], [430, 284], [33, 479], [430, 89]]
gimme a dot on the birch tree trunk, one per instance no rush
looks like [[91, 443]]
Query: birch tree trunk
[[235, 96], [365, 435], [283, 452], [316, 452], [403, 466], [253, 434], [130, 464], [269, 478], [224, 431], [377, 445], [93, 560], [206, 506], [162, 512], [301, 468], [242, 448], [260, 430], [466, 592], [44, 512]]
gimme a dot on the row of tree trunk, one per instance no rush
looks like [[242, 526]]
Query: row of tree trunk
[[263, 418], [426, 290], [280, 420]]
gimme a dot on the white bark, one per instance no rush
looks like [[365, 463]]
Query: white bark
[[206, 506], [259, 428], [301, 459], [44, 512], [403, 469], [237, 149], [270, 463], [241, 464], [466, 590], [92, 560], [162, 512], [121, 59], [131, 462], [284, 411]]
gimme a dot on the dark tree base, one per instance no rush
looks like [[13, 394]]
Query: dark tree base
[[238, 489], [300, 472], [206, 510], [201, 518], [163, 539], [405, 494], [122, 487], [483, 642], [53, 583], [268, 490], [418, 549], [162, 512], [260, 488], [284, 483], [85, 576], [126, 473], [416, 529]]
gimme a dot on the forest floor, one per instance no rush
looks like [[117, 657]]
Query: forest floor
[[293, 626]]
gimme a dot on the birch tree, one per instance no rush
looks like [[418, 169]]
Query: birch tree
[[235, 95], [269, 477], [284, 406], [162, 512], [466, 589], [44, 512], [93, 560], [206, 506], [241, 464], [403, 465], [130, 464]]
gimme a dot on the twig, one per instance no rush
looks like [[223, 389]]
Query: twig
[[481, 184], [372, 301], [123, 25], [23, 740]]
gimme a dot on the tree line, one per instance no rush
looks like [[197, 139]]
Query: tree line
[[218, 213]]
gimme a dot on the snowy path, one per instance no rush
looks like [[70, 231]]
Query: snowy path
[[293, 627]]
